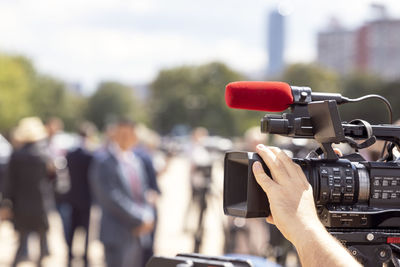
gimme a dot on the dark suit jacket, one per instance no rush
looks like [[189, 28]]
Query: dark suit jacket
[[120, 212], [25, 186], [151, 174], [78, 166]]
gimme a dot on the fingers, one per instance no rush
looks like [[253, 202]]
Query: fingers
[[276, 166], [281, 165], [293, 169], [287, 162], [262, 178]]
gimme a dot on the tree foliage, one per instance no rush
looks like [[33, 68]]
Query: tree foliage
[[14, 90], [51, 98], [374, 111], [314, 76], [25, 92], [112, 100], [188, 95], [194, 96]]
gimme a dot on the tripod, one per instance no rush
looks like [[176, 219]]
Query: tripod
[[200, 191]]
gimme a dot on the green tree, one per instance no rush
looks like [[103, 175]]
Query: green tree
[[194, 96], [111, 100], [391, 91], [358, 84], [50, 97], [314, 76], [15, 79]]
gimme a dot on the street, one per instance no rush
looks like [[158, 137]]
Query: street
[[171, 237]]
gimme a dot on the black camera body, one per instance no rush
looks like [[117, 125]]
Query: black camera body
[[358, 201], [348, 194]]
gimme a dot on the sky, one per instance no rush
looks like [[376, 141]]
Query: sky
[[89, 41]]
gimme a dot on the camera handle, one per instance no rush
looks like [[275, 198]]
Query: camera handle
[[321, 121]]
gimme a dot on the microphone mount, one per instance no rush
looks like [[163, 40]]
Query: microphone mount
[[303, 95]]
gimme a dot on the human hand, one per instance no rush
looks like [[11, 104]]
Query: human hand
[[144, 228], [290, 195], [152, 197]]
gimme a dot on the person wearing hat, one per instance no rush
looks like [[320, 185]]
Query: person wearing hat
[[28, 172]]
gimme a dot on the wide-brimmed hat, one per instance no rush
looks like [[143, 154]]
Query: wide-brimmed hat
[[29, 130]]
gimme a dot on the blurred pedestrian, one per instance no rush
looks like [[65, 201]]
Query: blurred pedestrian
[[57, 152], [200, 181], [77, 201], [118, 183], [28, 172], [143, 150], [5, 153]]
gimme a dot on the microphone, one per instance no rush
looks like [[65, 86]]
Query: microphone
[[272, 96]]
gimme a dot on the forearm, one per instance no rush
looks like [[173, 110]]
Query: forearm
[[319, 248]]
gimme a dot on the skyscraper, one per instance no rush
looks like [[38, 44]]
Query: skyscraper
[[276, 43], [374, 47], [337, 49]]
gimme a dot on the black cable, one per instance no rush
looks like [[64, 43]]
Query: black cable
[[387, 103], [388, 106]]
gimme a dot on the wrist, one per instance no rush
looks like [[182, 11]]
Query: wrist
[[308, 235]]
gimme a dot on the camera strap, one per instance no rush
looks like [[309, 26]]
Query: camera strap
[[371, 138]]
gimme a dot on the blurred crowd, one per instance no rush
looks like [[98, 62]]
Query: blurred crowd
[[43, 169], [51, 170]]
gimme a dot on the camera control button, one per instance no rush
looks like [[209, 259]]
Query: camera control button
[[337, 181], [393, 195], [385, 195], [363, 221], [376, 195], [377, 182], [394, 182], [349, 180], [324, 171], [385, 183], [336, 197]]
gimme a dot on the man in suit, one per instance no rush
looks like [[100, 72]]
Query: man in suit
[[117, 181]]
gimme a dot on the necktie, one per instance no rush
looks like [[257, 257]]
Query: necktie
[[134, 179]]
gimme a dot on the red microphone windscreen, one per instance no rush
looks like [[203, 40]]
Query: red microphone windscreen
[[262, 96]]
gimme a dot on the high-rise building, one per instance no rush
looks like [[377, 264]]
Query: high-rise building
[[382, 46], [276, 43], [374, 47], [336, 49]]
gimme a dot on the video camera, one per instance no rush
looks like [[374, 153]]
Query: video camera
[[358, 201]]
